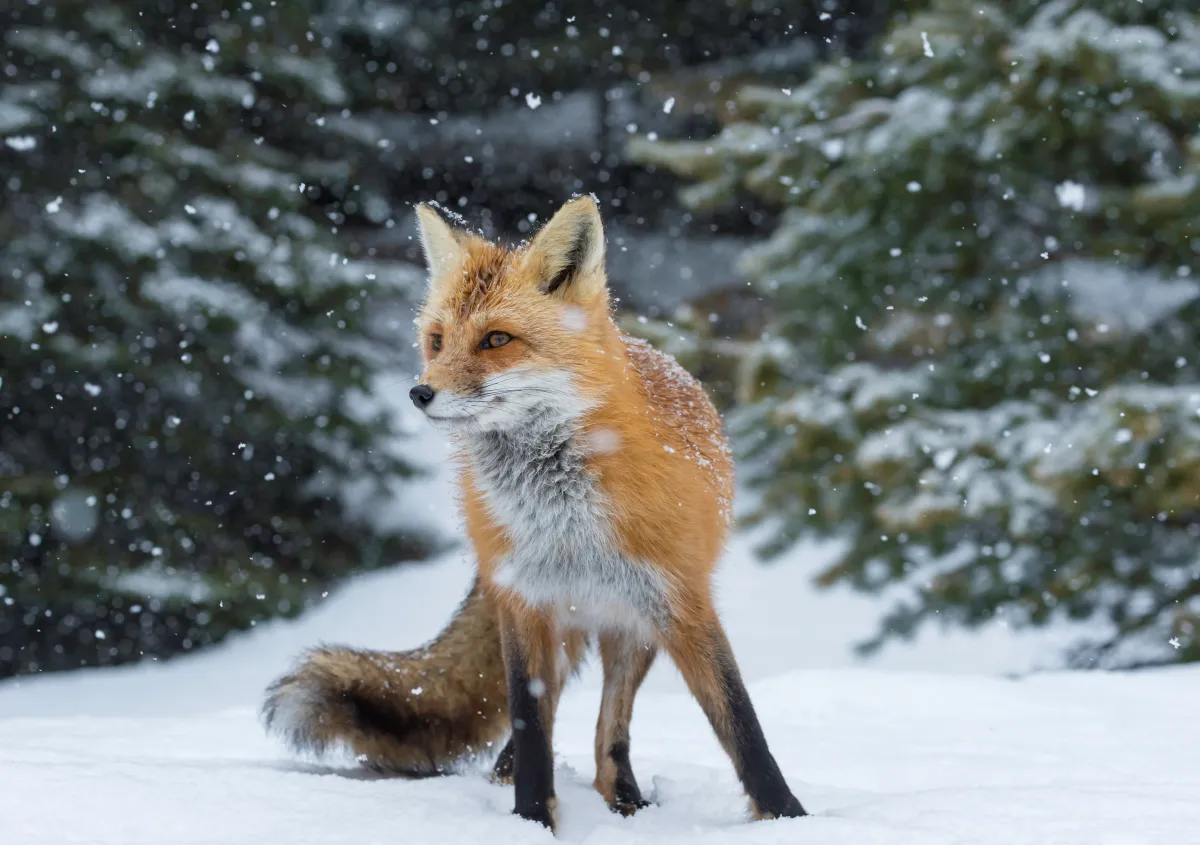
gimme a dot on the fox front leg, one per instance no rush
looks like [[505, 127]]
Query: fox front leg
[[529, 662], [575, 646]]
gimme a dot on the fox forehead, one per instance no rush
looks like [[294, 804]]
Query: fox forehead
[[477, 284], [488, 291], [550, 286]]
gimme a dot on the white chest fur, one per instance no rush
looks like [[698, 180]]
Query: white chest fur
[[536, 483]]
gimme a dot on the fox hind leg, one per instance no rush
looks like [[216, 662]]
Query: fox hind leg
[[626, 662], [704, 657]]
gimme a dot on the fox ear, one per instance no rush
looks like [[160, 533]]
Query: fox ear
[[443, 246], [567, 255]]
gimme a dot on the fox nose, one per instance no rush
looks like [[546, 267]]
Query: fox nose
[[421, 395]]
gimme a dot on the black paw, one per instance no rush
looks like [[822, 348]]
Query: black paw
[[502, 772], [543, 814], [628, 808], [627, 798], [789, 809]]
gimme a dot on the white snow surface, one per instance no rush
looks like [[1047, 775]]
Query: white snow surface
[[931, 743]]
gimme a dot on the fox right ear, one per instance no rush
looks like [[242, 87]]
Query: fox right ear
[[567, 256], [442, 246]]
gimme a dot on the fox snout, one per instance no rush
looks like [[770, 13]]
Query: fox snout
[[422, 395]]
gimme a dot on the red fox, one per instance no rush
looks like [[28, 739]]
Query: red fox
[[596, 483]]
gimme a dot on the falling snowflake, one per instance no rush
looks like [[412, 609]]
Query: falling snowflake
[[574, 319], [21, 143], [1071, 195]]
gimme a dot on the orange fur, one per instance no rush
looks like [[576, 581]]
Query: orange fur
[[659, 457], [668, 472]]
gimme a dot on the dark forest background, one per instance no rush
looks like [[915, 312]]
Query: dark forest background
[[932, 258]]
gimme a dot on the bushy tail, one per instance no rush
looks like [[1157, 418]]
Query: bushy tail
[[414, 712]]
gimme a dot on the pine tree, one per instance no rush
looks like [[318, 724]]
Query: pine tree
[[982, 368], [187, 387], [510, 107]]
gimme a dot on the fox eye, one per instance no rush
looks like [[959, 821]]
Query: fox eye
[[495, 340], [435, 342]]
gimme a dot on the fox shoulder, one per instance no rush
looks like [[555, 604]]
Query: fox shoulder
[[680, 405]]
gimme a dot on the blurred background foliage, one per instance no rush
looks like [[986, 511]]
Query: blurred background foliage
[[934, 259], [980, 362], [208, 275]]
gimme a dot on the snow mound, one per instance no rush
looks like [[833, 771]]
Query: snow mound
[[878, 758]]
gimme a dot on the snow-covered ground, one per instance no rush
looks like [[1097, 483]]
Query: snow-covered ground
[[929, 743]]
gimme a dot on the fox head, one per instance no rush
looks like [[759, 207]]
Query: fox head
[[512, 336]]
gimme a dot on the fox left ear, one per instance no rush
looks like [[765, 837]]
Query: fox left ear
[[567, 255]]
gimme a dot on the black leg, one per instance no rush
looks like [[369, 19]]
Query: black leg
[[529, 707], [502, 771], [759, 772], [626, 794], [702, 653]]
